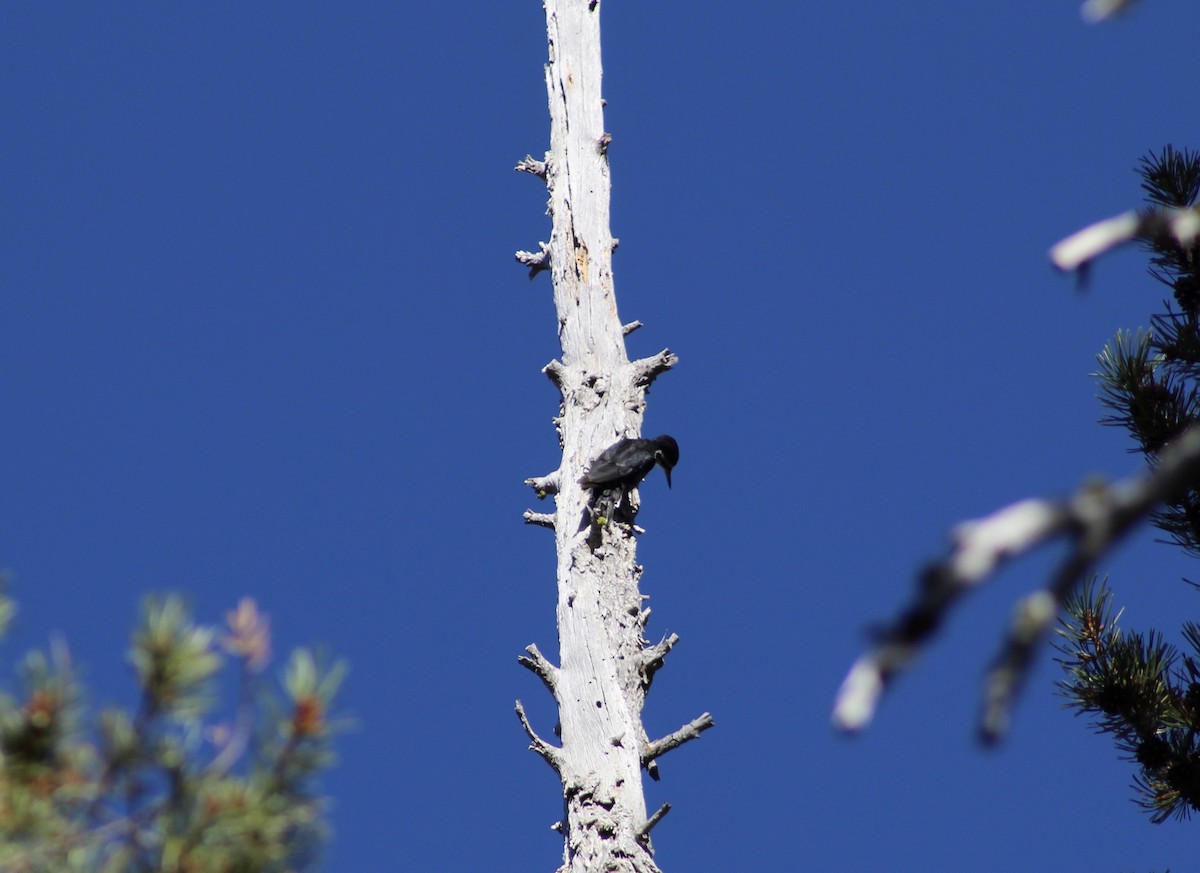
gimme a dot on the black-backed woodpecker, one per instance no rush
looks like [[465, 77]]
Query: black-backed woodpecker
[[625, 463]]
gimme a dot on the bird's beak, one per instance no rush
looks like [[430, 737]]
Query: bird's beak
[[667, 470]]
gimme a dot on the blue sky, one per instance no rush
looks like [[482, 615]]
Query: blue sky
[[261, 333]]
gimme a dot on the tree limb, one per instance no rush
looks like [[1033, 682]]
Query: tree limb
[[544, 486], [535, 261], [1094, 11], [1095, 519], [540, 664], [646, 370], [552, 754], [530, 165], [653, 657], [675, 739], [644, 830], [1077, 251], [541, 519], [556, 372]]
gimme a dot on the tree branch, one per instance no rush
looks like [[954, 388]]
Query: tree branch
[[1095, 518], [643, 833], [552, 754], [646, 370], [529, 165], [1033, 616], [543, 486], [675, 739], [1077, 251], [1094, 11], [539, 664], [653, 657], [541, 519], [535, 261], [556, 372]]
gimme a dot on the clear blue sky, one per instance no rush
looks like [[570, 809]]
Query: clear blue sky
[[261, 333]]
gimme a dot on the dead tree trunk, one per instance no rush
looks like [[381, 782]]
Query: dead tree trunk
[[606, 665]]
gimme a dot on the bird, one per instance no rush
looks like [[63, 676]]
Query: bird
[[619, 468]]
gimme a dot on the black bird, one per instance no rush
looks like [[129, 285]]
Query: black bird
[[627, 462]]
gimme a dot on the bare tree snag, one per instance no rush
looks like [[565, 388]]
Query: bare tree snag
[[606, 665]]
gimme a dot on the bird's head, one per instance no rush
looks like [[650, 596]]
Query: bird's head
[[666, 454]]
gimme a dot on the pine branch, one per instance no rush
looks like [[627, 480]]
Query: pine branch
[[1171, 178], [1093, 520], [135, 791], [1137, 687], [1149, 380], [1133, 687], [1144, 392]]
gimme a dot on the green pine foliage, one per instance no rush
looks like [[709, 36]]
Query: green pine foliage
[[1143, 691], [1150, 380], [1137, 687], [167, 785]]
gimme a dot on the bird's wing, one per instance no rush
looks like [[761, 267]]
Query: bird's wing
[[607, 469]]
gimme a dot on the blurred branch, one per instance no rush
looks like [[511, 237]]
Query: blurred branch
[[1077, 251], [1094, 11], [1094, 519]]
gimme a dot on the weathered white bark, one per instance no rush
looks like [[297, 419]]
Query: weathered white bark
[[606, 666]]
